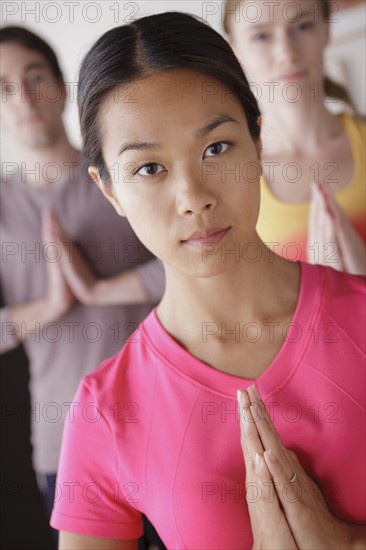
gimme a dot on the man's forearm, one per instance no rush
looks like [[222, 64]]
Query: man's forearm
[[123, 289], [30, 318]]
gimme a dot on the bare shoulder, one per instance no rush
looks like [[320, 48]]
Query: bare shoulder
[[73, 541]]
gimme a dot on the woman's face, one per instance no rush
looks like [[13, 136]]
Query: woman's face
[[279, 43], [182, 161]]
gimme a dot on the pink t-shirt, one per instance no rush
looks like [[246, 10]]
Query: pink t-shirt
[[155, 430]]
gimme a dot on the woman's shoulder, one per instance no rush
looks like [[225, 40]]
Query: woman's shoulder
[[343, 302], [121, 371], [332, 283], [341, 295], [339, 284]]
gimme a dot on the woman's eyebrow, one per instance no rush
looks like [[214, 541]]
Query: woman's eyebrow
[[201, 132], [138, 146], [217, 121], [296, 19]]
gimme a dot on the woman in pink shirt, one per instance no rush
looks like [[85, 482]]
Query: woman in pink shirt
[[172, 132]]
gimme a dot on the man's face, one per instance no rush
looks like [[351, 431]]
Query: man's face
[[32, 99]]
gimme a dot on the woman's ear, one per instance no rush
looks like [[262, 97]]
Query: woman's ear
[[107, 190]]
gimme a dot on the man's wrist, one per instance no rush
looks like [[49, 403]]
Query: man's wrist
[[53, 309]]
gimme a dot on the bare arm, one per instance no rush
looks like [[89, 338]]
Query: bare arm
[[72, 541], [125, 288]]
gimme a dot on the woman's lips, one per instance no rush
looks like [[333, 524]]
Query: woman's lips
[[292, 77], [31, 118], [214, 238]]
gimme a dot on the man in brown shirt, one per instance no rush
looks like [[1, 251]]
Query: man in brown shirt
[[64, 339]]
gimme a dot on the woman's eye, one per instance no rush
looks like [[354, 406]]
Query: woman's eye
[[260, 37], [151, 169], [216, 148], [34, 79], [305, 26]]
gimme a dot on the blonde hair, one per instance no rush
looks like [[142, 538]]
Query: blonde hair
[[331, 88]]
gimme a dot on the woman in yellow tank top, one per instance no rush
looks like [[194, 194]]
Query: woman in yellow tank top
[[313, 196]]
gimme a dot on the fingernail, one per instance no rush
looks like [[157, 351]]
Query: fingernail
[[239, 397], [272, 456], [258, 460]]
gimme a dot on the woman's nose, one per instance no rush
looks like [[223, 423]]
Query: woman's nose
[[194, 196], [285, 49]]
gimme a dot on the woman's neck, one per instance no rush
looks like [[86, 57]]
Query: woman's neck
[[299, 129], [249, 292]]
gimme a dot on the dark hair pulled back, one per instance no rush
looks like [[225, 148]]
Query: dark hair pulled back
[[148, 46]]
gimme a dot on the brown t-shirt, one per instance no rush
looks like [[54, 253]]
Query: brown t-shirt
[[64, 351]]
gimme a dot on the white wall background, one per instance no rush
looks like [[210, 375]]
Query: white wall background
[[346, 55], [72, 26]]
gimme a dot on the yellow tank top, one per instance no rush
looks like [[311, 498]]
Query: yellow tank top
[[286, 224]]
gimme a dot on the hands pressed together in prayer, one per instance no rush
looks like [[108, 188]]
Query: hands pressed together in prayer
[[59, 294], [72, 269], [290, 511], [332, 239], [72, 277]]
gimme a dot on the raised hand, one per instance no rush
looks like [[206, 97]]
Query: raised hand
[[352, 247], [125, 288], [59, 295], [306, 512], [269, 524], [329, 228], [75, 269], [323, 245]]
